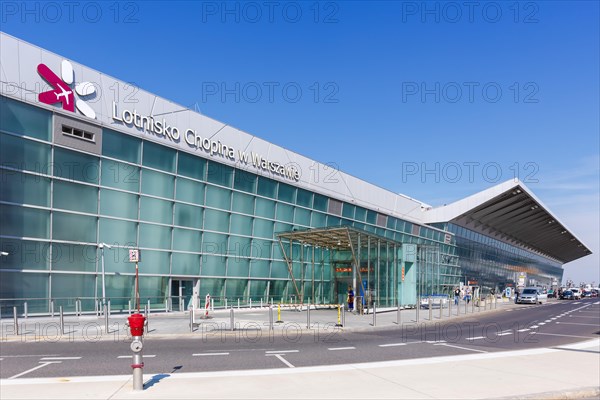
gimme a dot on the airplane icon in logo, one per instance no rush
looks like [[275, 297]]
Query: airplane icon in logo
[[61, 92]]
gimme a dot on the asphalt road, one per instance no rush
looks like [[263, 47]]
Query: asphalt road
[[521, 327]]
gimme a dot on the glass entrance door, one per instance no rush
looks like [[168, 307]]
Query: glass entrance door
[[181, 293]]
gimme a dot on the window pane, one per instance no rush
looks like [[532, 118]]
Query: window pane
[[187, 240], [73, 285], [74, 197], [185, 264], [241, 224], [216, 221], [304, 198], [120, 176], [214, 243], [157, 184], [237, 266], [285, 212], [320, 202], [243, 203], [123, 233], [24, 154], [155, 262], [186, 215], [213, 266], [16, 187], [302, 216], [155, 236], [259, 269], [360, 214], [190, 191], [266, 187], [218, 197], [245, 181], [74, 257], [24, 119], [263, 228], [348, 210], [261, 248], [156, 210], [239, 246], [24, 222], [11, 285], [76, 166], [287, 193], [371, 217], [121, 146], [319, 220], [79, 228], [25, 254], [118, 204], [159, 157], [265, 208], [219, 174], [192, 166]]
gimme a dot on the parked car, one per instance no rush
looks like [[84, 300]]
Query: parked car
[[576, 293], [551, 294], [532, 295], [567, 295], [586, 293]]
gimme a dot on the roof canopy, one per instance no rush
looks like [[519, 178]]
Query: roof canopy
[[510, 212]]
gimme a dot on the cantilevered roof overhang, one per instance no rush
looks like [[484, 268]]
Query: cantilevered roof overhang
[[511, 212], [335, 238]]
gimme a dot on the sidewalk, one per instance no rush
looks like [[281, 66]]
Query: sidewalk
[[559, 373]]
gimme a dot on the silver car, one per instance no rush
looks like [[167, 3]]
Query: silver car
[[532, 296]]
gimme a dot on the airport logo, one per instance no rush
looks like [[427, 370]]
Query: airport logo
[[63, 92]]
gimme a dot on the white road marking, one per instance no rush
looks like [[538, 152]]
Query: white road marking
[[577, 302], [524, 330], [548, 320], [558, 334], [145, 356], [281, 351], [584, 316], [598, 302], [392, 344], [477, 338], [32, 355], [34, 368], [505, 333], [341, 348], [283, 360], [459, 347], [575, 323], [59, 358], [534, 327], [541, 323], [209, 354]]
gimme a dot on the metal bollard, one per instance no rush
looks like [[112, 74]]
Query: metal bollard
[[148, 312], [343, 315], [231, 319], [52, 308], [261, 303], [417, 308], [109, 308], [270, 317], [308, 316], [374, 314], [238, 304], [250, 303], [212, 304], [61, 320], [398, 316], [441, 307], [129, 307], [192, 320], [166, 306], [226, 303], [25, 309], [181, 304], [430, 302], [339, 316], [16, 320], [495, 302], [473, 305], [105, 318], [450, 307], [466, 309]]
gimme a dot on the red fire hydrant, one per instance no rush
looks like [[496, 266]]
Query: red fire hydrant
[[136, 325]]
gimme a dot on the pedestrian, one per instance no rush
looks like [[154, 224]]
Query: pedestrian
[[350, 299], [468, 296], [456, 296]]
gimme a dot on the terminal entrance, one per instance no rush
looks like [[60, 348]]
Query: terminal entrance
[[181, 293]]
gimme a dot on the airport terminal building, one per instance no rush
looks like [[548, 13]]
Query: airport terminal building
[[91, 168]]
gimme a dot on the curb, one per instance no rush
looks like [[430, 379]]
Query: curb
[[580, 393]]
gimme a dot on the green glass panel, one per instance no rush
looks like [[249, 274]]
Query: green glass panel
[[258, 289], [24, 254], [15, 285], [121, 146], [236, 288], [121, 288], [214, 287], [24, 222], [239, 246], [73, 285], [263, 228], [24, 119], [155, 289], [305, 198], [159, 157], [360, 214], [187, 240], [155, 210], [118, 204], [76, 166], [237, 266], [245, 181], [121, 176], [189, 191], [216, 220], [262, 248], [241, 224], [155, 262], [189, 216], [123, 233], [214, 243], [371, 217], [74, 197], [320, 202], [302, 216], [213, 265], [266, 187], [24, 154], [155, 236], [192, 166], [243, 203], [260, 269], [16, 187], [79, 228], [185, 264], [218, 197], [74, 257], [286, 193], [282, 227], [391, 222], [319, 220], [285, 212], [279, 269], [265, 208], [157, 184], [348, 210], [219, 174], [333, 221]]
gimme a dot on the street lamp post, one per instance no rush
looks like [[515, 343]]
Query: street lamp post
[[102, 246]]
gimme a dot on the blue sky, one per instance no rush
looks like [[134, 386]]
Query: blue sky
[[383, 90]]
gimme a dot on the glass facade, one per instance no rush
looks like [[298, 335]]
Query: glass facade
[[197, 223]]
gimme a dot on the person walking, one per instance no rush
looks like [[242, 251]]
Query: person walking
[[350, 299], [456, 296]]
